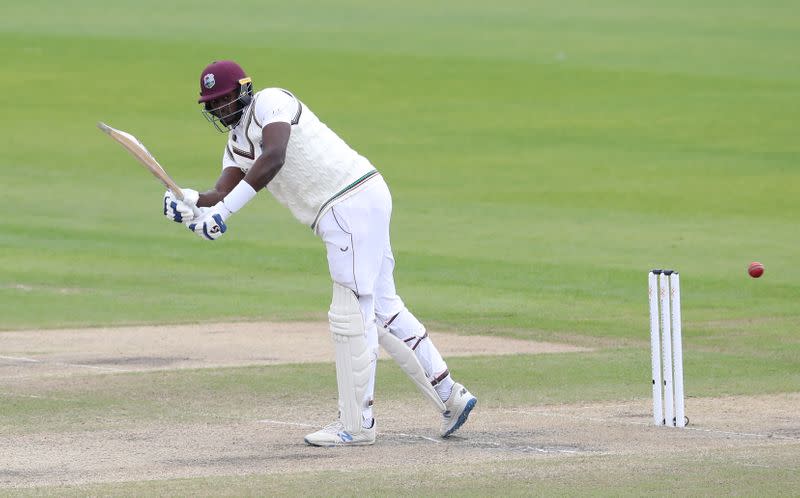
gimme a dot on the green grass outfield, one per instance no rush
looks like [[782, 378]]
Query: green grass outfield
[[542, 157]]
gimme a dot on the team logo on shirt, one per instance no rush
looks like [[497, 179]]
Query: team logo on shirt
[[209, 81]]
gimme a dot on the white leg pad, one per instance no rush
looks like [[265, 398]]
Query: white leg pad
[[409, 363], [352, 355]]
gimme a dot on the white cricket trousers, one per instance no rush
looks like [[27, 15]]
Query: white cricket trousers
[[356, 236]]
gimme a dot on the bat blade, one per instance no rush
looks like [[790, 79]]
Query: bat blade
[[145, 158]]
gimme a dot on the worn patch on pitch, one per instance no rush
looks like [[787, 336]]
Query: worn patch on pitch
[[35, 353], [133, 361]]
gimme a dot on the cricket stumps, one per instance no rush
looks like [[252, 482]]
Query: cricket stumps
[[666, 349]]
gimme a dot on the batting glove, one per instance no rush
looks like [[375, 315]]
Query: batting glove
[[211, 225], [181, 211]]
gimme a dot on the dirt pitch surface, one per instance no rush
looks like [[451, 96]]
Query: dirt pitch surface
[[131, 349], [743, 429]]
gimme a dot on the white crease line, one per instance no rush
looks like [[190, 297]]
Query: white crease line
[[573, 452], [528, 447], [15, 395], [631, 422], [62, 364], [420, 437], [19, 358], [78, 365], [280, 422], [552, 450]]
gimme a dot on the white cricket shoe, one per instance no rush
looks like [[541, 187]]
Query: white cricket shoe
[[458, 406], [334, 434]]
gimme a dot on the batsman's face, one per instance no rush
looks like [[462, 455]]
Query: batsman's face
[[226, 108]]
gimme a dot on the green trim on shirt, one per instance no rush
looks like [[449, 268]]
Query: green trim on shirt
[[342, 192]]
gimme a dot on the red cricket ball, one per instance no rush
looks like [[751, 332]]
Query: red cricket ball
[[755, 269]]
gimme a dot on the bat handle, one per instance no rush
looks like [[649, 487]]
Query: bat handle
[[198, 212]]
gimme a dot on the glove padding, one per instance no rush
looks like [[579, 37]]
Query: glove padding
[[210, 225], [181, 211]]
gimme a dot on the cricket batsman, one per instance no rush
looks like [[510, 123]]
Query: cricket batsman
[[275, 141]]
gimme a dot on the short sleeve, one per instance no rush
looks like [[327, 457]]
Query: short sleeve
[[276, 105]]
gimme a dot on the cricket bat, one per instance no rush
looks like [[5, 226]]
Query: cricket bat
[[140, 152]]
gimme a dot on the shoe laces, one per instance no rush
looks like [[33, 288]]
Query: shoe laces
[[334, 427]]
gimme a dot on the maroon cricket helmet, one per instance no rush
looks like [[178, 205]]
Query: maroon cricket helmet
[[220, 78]]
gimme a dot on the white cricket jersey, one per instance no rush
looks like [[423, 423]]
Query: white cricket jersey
[[320, 169]]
